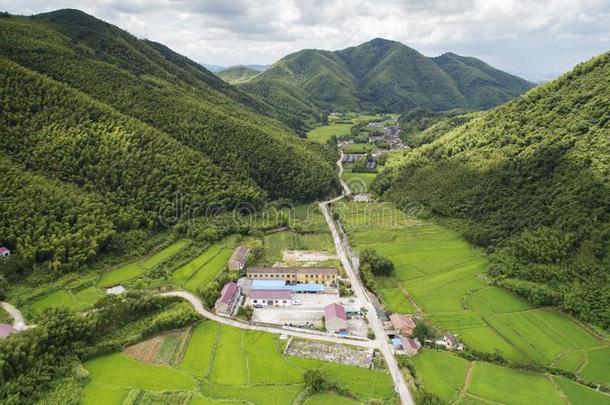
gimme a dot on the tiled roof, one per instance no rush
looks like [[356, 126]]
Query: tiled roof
[[239, 254], [270, 295], [333, 311], [402, 321], [228, 292]]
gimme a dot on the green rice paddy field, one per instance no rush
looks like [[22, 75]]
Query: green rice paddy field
[[222, 363], [457, 380], [446, 279], [324, 133]]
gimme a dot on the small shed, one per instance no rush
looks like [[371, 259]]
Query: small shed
[[5, 252], [335, 318], [410, 346], [116, 290]]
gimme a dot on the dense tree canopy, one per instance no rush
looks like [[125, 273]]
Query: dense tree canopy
[[530, 181]]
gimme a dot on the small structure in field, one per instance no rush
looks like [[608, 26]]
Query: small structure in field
[[6, 330], [277, 298], [239, 258], [450, 342], [115, 290], [228, 300], [403, 324], [410, 346], [335, 318], [5, 252]]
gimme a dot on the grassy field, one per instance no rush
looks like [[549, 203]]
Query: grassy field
[[209, 269], [324, 133], [325, 399], [229, 365], [579, 394], [455, 379], [445, 277], [359, 182], [358, 148], [275, 243]]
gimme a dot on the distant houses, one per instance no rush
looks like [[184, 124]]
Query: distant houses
[[228, 300], [335, 318], [295, 275], [115, 290], [239, 258], [5, 252]]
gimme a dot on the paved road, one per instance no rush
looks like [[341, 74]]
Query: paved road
[[400, 384], [18, 321], [198, 306]]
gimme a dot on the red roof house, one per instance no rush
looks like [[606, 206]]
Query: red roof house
[[229, 297], [403, 324], [335, 318], [5, 252]]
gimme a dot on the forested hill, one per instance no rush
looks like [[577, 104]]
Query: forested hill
[[386, 76], [237, 74], [531, 181], [101, 130]]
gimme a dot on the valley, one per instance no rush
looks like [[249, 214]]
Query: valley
[[367, 225]]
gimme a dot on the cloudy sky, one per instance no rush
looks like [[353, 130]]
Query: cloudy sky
[[521, 36]]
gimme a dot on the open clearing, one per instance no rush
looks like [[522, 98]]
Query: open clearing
[[166, 348], [222, 363], [443, 274]]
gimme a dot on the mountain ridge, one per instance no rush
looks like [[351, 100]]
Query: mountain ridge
[[386, 76]]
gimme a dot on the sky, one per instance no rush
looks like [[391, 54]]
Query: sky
[[531, 38]]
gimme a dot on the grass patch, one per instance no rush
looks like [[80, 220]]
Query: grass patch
[[325, 399], [395, 301], [89, 295], [164, 254], [185, 272], [118, 371], [359, 182], [442, 372], [198, 356], [209, 270], [56, 299], [597, 368], [122, 274], [579, 394], [501, 384], [229, 365], [358, 148]]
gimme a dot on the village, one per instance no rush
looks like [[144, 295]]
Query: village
[[308, 298]]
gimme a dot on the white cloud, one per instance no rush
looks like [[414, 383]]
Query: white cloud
[[517, 35]]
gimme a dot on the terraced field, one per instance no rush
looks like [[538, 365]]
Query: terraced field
[[136, 268], [229, 365], [445, 277], [455, 379]]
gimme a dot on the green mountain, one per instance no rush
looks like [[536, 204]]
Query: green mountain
[[385, 76], [104, 118], [237, 74], [530, 181]]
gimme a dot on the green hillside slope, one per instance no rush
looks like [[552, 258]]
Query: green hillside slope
[[386, 76], [136, 125], [530, 180], [237, 74]]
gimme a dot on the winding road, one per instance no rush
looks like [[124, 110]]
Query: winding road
[[18, 321], [350, 266], [200, 309]]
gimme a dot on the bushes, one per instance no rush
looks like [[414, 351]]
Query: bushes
[[379, 265]]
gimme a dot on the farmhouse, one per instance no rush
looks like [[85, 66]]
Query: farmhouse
[[335, 318], [228, 300], [6, 330], [295, 275], [4, 252], [410, 346], [238, 258], [450, 342], [280, 298], [403, 324]]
